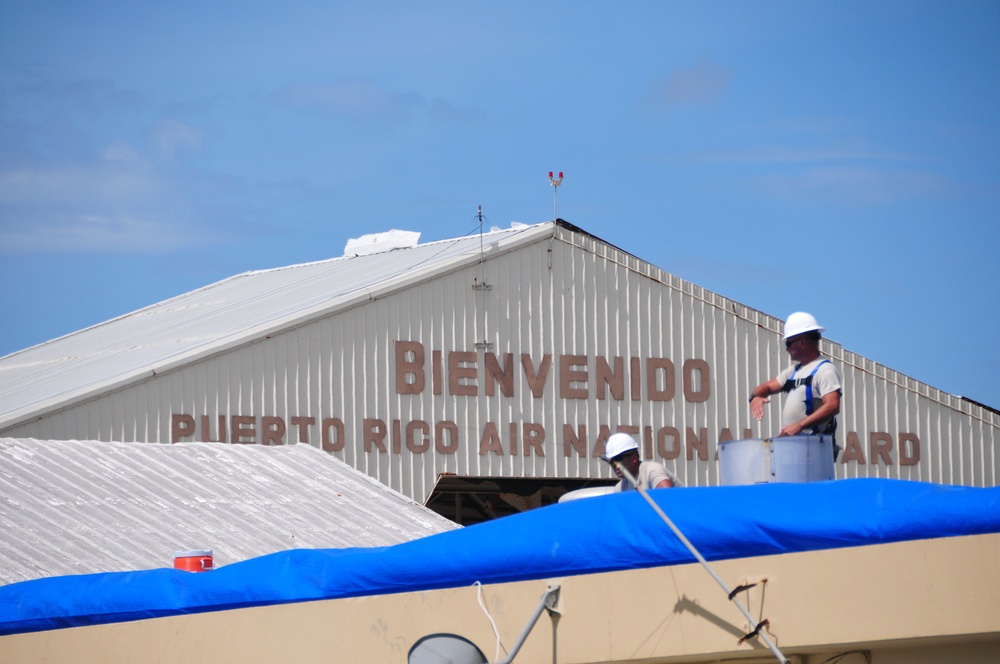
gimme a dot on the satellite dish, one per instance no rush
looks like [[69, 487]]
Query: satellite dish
[[445, 649]]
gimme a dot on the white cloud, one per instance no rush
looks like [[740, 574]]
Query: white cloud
[[354, 100], [700, 85], [797, 155], [75, 233], [121, 151], [112, 205], [77, 184], [859, 184], [169, 136]]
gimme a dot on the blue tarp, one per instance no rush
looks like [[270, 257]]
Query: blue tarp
[[601, 534]]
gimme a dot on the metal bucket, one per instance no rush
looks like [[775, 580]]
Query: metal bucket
[[784, 459]]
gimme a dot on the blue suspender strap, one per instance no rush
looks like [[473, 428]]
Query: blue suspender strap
[[791, 384], [809, 388], [831, 425]]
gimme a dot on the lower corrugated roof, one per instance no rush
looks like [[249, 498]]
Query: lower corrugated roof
[[75, 507]]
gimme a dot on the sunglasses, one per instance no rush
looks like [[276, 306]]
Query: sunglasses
[[790, 342]]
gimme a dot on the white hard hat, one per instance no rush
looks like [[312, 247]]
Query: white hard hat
[[619, 443], [799, 323]]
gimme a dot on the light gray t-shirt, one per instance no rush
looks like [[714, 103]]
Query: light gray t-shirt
[[826, 380], [650, 474]]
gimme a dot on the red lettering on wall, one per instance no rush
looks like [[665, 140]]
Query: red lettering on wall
[[333, 434], [536, 378], [446, 437], [500, 376], [490, 440], [459, 373], [181, 426], [600, 445], [697, 443], [272, 430], [206, 432], [607, 378], [659, 379], [534, 437], [853, 450], [880, 446], [303, 424], [438, 361], [244, 429], [425, 441], [635, 379], [409, 367], [697, 386], [909, 449], [461, 368], [373, 435], [575, 440], [673, 450], [397, 435], [570, 377], [528, 438]]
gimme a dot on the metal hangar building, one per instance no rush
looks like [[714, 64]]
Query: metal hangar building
[[479, 375]]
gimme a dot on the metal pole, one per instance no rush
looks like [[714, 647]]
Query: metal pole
[[549, 600], [555, 182], [704, 563]]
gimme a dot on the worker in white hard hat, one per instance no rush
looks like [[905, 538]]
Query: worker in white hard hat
[[621, 448], [813, 383]]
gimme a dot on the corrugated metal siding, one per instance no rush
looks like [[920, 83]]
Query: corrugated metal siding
[[573, 295]]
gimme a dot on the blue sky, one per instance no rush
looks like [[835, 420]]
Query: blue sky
[[837, 157]]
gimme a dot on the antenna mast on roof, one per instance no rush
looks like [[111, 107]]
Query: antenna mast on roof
[[555, 182], [482, 286]]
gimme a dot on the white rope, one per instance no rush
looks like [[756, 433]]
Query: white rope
[[482, 605]]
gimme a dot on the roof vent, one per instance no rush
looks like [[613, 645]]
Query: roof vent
[[374, 243]]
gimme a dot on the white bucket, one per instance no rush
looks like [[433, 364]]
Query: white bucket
[[784, 459], [589, 492]]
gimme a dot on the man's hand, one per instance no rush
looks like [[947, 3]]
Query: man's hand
[[793, 429], [757, 407], [757, 403], [829, 408]]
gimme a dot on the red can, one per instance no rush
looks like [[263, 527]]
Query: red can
[[196, 560]]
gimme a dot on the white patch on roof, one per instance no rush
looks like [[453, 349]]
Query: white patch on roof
[[220, 316], [71, 507], [376, 242]]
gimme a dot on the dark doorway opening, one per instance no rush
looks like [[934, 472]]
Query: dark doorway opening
[[470, 500]]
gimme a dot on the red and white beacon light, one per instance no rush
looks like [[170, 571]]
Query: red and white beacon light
[[555, 182]]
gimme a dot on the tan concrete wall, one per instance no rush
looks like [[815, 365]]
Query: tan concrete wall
[[926, 601]]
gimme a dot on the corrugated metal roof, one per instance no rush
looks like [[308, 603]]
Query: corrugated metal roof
[[71, 507], [220, 316]]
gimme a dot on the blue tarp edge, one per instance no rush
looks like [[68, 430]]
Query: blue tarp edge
[[593, 535]]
